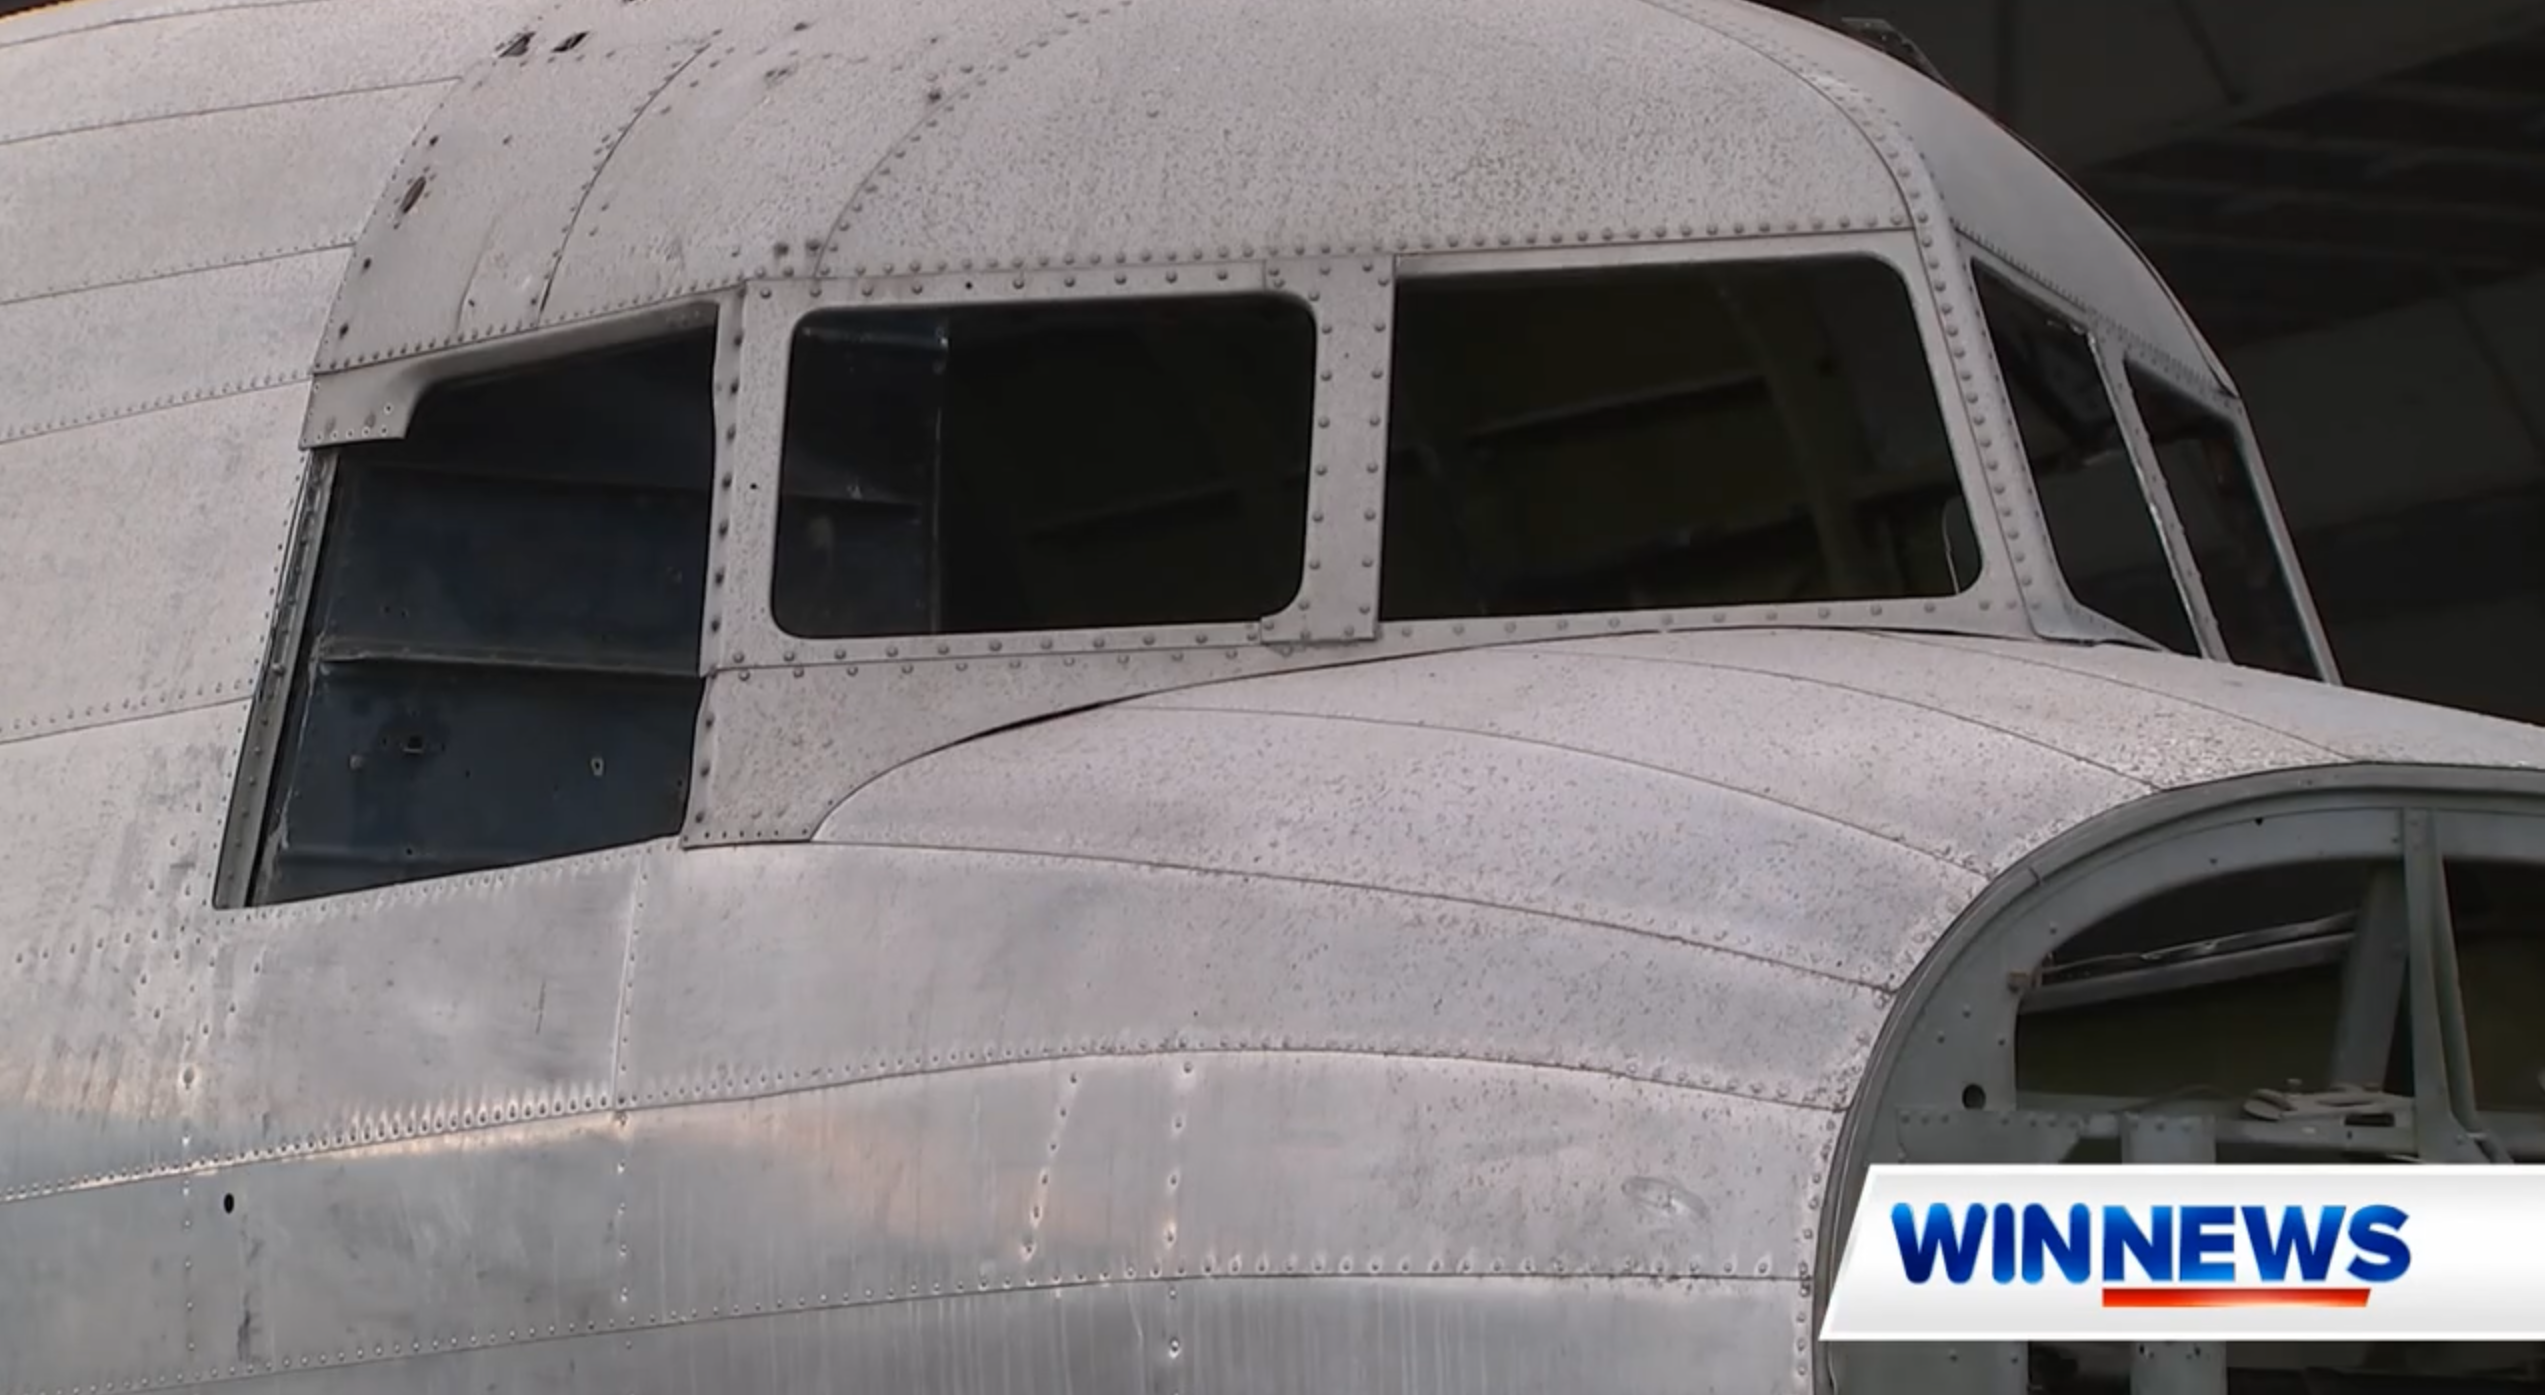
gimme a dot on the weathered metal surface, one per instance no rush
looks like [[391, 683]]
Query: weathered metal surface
[[735, 990], [226, 171], [413, 1010], [169, 521], [69, 360], [465, 238], [187, 59], [1460, 1020], [105, 835], [2145, 734], [493, 1235], [2357, 726]]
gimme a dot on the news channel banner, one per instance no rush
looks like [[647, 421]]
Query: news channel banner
[[2221, 1253]]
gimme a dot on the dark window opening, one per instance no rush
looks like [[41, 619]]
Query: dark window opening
[[1666, 436], [1002, 468], [2102, 525], [500, 660], [2230, 536]]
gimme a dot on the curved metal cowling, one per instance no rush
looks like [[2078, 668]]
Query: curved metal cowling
[[1474, 1021], [1471, 1021]]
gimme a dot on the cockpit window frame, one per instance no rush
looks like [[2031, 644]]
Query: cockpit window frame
[[2116, 353], [2120, 355], [1338, 584], [1993, 603], [376, 401]]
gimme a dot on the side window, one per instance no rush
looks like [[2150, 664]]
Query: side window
[[994, 468], [1666, 436], [2212, 483], [499, 660], [2102, 524]]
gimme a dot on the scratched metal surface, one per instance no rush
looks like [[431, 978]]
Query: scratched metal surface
[[107, 835]]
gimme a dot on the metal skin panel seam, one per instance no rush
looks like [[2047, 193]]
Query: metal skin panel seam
[[30, 19], [325, 244], [389, 1358], [1474, 1242], [225, 170], [232, 388], [2017, 657], [155, 115], [867, 184], [138, 708], [829, 840], [1817, 681], [1821, 815]]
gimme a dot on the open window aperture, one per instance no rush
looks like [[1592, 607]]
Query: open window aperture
[[1075, 465], [2102, 522], [2228, 529], [1635, 438], [499, 658]]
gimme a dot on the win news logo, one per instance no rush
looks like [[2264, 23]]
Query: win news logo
[[2179, 1256], [2181, 1253]]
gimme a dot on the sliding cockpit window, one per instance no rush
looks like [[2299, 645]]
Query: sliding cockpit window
[[499, 660], [2103, 528], [1000, 468], [1637, 438]]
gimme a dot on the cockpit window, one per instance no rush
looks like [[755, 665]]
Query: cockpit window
[[1666, 436], [2102, 525], [2230, 535], [499, 660], [1000, 468]]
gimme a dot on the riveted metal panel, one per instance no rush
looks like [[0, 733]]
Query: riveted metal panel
[[1262, 779], [417, 1009], [465, 238], [254, 184], [2357, 726], [1199, 129], [1107, 1169], [1812, 751], [1244, 1336], [174, 524], [69, 360], [775, 755], [774, 968], [2145, 736], [104, 835], [221, 58], [58, 1255], [739, 168], [494, 1236]]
